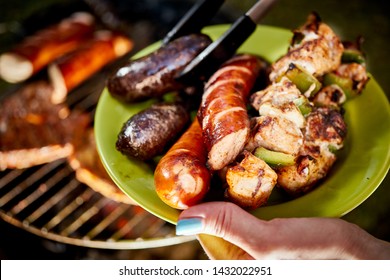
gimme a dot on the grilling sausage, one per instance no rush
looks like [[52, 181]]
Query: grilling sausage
[[36, 51], [222, 114], [181, 176], [154, 75], [148, 133], [71, 70]]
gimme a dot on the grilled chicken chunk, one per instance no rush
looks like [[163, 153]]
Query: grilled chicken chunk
[[356, 72], [277, 93], [300, 178], [275, 133], [250, 182], [315, 48], [34, 131], [329, 96], [325, 132], [326, 126]]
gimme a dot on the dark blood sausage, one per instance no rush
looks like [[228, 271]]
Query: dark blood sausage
[[148, 133], [153, 75], [223, 114], [181, 177]]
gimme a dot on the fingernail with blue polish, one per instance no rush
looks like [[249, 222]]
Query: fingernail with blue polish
[[189, 226]]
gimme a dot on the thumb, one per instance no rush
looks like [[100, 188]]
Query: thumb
[[222, 219]]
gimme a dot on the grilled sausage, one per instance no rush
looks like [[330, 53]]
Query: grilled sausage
[[181, 176], [38, 50], [148, 133], [74, 68], [154, 75], [222, 114]]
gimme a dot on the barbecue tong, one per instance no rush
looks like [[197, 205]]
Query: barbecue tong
[[225, 46]]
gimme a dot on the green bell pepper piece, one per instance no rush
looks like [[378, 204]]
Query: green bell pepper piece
[[304, 81], [351, 55], [274, 159], [346, 84], [303, 105]]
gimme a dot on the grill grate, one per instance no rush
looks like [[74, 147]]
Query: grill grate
[[48, 201]]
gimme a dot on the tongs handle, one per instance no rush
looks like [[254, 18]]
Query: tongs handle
[[226, 45], [194, 20]]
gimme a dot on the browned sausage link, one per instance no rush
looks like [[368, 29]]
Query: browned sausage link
[[74, 68], [153, 75], [38, 50], [181, 177], [222, 114], [149, 133]]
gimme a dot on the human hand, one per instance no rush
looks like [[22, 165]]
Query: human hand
[[283, 238]]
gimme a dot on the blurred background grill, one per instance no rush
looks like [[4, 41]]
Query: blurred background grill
[[47, 214]]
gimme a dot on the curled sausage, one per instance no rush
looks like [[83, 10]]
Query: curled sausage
[[154, 75], [222, 114], [148, 133], [181, 176]]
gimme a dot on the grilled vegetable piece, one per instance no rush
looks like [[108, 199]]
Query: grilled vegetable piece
[[351, 78], [149, 133], [250, 182], [154, 75], [223, 114], [182, 178], [305, 82], [274, 159], [353, 55], [303, 105], [314, 48]]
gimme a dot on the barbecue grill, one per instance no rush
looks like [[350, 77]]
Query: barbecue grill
[[48, 201]]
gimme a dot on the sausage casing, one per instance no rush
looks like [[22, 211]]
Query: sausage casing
[[182, 178], [154, 75], [70, 70], [37, 51], [148, 133], [222, 114]]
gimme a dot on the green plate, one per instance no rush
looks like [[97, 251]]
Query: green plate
[[362, 165]]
